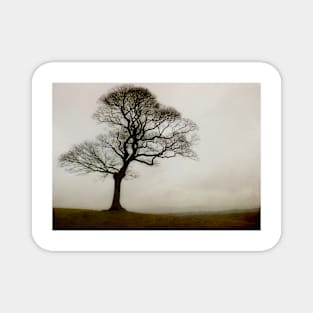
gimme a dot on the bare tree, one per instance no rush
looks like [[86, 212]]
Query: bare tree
[[140, 130]]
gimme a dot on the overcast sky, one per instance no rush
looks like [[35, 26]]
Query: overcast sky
[[226, 177]]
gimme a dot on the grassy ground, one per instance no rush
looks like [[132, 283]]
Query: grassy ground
[[79, 219]]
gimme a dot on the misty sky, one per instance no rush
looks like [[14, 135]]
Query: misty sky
[[226, 177]]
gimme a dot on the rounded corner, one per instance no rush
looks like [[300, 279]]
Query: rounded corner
[[272, 69], [39, 69], [274, 243], [38, 244]]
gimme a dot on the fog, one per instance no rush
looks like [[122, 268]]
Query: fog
[[226, 176]]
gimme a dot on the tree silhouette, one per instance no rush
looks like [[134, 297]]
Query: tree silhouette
[[139, 129]]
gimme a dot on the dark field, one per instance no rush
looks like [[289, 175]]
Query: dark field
[[79, 219]]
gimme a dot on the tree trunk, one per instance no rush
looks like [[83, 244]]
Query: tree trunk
[[116, 205]]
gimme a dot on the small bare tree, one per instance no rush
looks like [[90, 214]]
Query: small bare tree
[[140, 130]]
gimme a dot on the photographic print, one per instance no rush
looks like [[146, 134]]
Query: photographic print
[[164, 156], [156, 156]]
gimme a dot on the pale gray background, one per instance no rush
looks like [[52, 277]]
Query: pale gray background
[[33, 32], [226, 175]]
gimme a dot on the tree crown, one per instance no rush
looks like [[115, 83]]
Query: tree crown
[[137, 129]]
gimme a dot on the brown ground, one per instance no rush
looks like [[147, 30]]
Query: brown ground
[[79, 219]]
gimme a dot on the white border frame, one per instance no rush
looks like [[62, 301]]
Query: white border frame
[[156, 72]]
